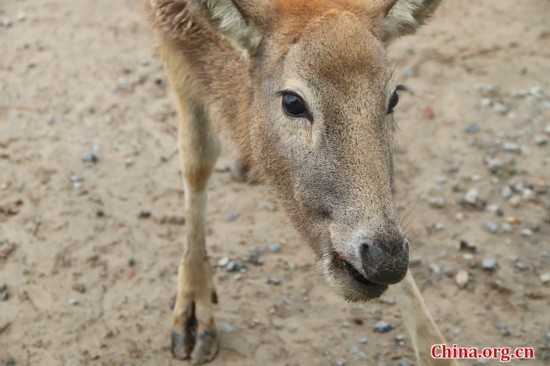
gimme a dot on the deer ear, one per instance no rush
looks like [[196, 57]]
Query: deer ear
[[405, 17], [240, 21]]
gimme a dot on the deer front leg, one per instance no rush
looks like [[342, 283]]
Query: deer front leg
[[422, 329], [194, 334]]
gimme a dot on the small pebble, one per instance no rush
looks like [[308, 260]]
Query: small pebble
[[131, 261], [485, 102], [79, 287], [144, 213], [528, 195], [436, 202], [489, 264], [273, 280], [90, 157], [521, 267], [462, 277], [490, 226], [506, 192], [435, 268], [501, 108], [340, 363], [271, 207], [405, 363], [51, 120], [468, 256], [9, 361], [223, 262], [363, 340], [526, 232], [541, 140], [464, 245], [234, 266], [399, 340], [4, 294], [439, 226], [287, 301], [72, 301], [504, 330], [472, 127], [515, 200], [274, 247], [232, 216], [382, 327], [471, 196], [511, 147], [6, 22], [506, 228], [77, 181], [290, 266], [545, 278], [228, 328]]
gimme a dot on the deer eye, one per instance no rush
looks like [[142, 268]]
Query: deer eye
[[394, 99], [293, 105]]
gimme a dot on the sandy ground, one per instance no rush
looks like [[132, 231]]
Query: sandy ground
[[88, 251]]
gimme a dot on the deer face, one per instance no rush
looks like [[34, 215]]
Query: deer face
[[321, 126], [321, 133]]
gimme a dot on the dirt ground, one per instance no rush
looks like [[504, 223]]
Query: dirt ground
[[89, 250]]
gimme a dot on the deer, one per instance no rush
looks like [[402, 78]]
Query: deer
[[304, 89]]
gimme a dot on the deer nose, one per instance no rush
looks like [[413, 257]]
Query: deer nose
[[385, 263]]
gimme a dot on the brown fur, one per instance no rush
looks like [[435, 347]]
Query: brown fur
[[227, 62]]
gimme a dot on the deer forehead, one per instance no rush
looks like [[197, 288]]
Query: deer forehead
[[338, 54]]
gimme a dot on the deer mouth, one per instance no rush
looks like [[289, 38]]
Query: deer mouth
[[371, 289]]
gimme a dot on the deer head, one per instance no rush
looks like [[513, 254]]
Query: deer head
[[320, 124]]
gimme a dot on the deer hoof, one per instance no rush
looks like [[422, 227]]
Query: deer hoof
[[190, 342], [206, 347]]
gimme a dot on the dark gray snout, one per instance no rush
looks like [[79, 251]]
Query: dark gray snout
[[385, 262]]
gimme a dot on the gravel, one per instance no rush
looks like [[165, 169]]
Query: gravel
[[90, 157], [462, 277], [6, 22], [466, 246], [228, 328], [472, 127], [526, 233], [234, 266], [489, 264], [383, 327], [9, 361], [232, 217], [274, 247], [4, 294], [273, 280], [144, 213], [506, 192], [491, 227], [79, 287]]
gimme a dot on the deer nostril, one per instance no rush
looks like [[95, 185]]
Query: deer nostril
[[371, 257]]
